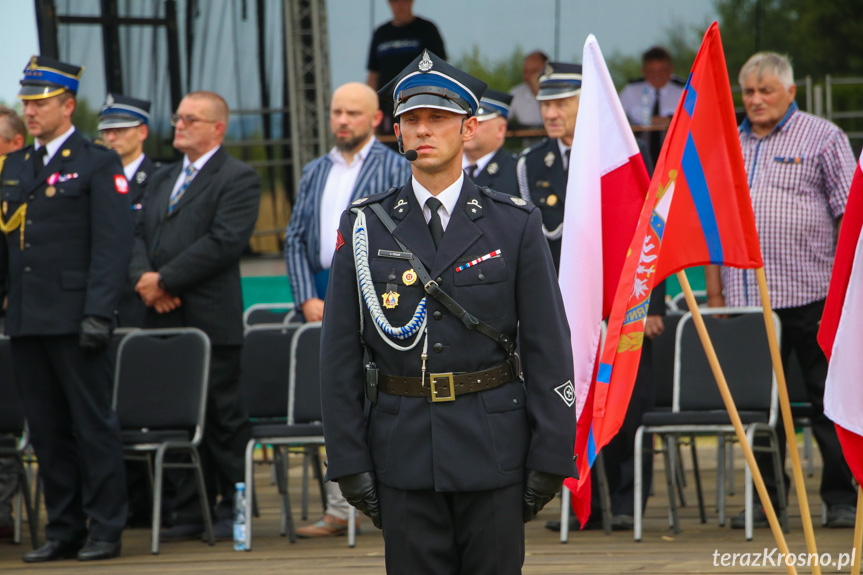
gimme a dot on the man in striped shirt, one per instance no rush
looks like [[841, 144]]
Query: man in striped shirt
[[357, 166], [799, 169]]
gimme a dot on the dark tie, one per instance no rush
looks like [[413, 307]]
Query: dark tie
[[435, 224], [655, 140], [566, 158], [39, 160], [470, 171]]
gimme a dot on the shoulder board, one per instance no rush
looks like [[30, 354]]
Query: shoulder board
[[97, 143], [2, 161], [373, 198], [635, 80], [535, 147], [507, 199], [678, 80]]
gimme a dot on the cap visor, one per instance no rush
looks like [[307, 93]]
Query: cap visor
[[428, 101], [109, 123], [31, 92], [554, 93]]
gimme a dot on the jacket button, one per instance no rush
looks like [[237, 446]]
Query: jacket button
[[438, 347], [481, 276], [27, 246], [439, 281], [27, 268], [31, 197], [437, 315], [29, 222]]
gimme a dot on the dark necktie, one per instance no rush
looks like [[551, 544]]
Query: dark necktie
[[655, 140], [39, 160], [470, 171], [435, 224], [566, 159]]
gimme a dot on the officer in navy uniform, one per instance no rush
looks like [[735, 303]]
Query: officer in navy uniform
[[459, 451], [124, 126], [486, 161], [542, 169], [68, 238]]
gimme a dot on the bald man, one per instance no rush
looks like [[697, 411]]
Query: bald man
[[357, 166]]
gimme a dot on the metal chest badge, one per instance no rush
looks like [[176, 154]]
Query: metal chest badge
[[492, 168], [390, 299], [409, 277], [549, 159]]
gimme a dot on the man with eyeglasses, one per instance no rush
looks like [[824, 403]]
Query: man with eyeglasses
[[197, 219]]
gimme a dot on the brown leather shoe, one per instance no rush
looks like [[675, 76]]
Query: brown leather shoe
[[328, 526]]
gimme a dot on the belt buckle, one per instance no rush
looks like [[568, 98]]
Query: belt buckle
[[433, 386]]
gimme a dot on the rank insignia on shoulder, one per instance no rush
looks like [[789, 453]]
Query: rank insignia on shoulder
[[566, 391], [549, 159], [359, 201], [518, 201], [409, 277], [390, 299], [492, 168], [5, 208]]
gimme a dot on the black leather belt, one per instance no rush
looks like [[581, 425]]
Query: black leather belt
[[446, 386]]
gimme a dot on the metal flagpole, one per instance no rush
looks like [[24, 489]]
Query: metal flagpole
[[858, 534], [735, 418], [787, 419]]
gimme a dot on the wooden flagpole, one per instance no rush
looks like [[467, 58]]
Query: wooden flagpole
[[858, 534], [787, 419], [735, 418]]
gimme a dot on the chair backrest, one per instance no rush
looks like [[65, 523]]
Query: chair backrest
[[678, 302], [304, 392], [11, 404], [266, 370], [268, 313], [662, 354], [741, 345], [160, 380]]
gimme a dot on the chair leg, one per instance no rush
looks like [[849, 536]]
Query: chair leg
[[807, 449], [352, 526], [202, 495], [604, 495], [720, 478], [32, 513], [677, 467], [319, 475], [250, 491], [696, 474], [304, 502], [280, 459], [670, 480], [637, 505], [565, 510], [729, 446], [158, 472]]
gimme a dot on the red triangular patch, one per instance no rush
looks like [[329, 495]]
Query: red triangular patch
[[340, 241]]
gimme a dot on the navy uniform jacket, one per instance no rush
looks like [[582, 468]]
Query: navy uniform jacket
[[542, 180], [499, 174], [197, 248], [131, 311], [481, 440], [77, 238]]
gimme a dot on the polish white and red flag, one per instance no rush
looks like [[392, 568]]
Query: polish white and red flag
[[841, 331], [606, 188]]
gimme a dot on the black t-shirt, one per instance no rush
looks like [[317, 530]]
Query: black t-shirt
[[394, 47]]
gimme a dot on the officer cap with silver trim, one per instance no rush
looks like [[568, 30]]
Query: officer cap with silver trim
[[429, 82], [120, 111], [44, 78], [559, 80], [493, 104]]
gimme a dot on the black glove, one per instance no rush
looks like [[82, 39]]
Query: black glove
[[539, 488], [95, 333], [360, 490]]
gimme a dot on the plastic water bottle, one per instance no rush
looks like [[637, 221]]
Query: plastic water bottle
[[240, 517]]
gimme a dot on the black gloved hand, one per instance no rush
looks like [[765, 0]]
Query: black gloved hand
[[95, 333], [539, 488], [360, 490]]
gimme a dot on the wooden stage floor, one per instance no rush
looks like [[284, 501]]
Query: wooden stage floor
[[689, 552]]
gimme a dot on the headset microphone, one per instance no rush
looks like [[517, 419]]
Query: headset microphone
[[409, 155]]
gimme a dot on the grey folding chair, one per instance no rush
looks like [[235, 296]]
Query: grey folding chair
[[742, 348], [14, 441], [160, 396], [269, 313], [303, 426]]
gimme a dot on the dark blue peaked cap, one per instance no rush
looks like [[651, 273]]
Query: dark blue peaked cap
[[44, 78], [120, 111], [559, 80], [492, 104], [429, 82]]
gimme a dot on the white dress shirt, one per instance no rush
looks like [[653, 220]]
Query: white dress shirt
[[448, 198], [54, 145], [199, 163]]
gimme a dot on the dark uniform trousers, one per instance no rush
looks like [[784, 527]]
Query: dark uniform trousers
[[799, 333], [67, 263], [77, 440], [499, 174], [451, 475], [542, 178]]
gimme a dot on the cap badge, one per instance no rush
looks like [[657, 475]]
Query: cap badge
[[492, 168], [425, 64], [34, 63], [549, 159], [518, 201], [548, 70], [109, 101]]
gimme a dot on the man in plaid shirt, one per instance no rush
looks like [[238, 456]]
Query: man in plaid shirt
[[799, 169]]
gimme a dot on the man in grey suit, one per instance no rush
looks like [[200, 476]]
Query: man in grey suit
[[197, 219]]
